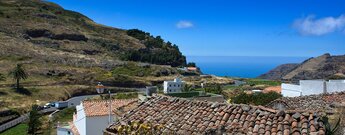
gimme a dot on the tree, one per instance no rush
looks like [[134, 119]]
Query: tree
[[191, 64], [34, 121], [17, 74]]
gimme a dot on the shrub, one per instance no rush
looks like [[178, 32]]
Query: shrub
[[126, 95], [185, 94], [256, 99], [215, 89]]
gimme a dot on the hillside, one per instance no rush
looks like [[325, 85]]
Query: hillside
[[52, 41], [49, 26], [321, 67], [279, 72], [65, 54]]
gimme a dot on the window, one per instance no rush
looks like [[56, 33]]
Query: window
[[169, 85]]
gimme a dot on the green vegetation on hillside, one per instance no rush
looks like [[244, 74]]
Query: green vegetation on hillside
[[132, 69], [253, 82], [157, 51]]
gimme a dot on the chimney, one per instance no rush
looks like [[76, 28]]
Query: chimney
[[150, 90]]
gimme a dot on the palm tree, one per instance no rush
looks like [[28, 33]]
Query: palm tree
[[17, 74]]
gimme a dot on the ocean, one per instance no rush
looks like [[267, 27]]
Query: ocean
[[241, 66]]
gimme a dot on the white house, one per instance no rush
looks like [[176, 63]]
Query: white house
[[310, 87], [173, 86], [92, 117]]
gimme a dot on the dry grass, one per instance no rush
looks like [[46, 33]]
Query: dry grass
[[39, 95]]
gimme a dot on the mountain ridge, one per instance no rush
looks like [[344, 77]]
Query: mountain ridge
[[325, 66]]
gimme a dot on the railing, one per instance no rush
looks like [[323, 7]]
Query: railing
[[14, 122], [21, 119]]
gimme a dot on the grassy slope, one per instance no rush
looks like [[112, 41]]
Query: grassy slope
[[80, 71], [17, 130]]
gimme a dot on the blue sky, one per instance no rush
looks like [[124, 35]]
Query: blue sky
[[229, 28]]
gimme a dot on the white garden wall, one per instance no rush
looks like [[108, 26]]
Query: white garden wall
[[291, 90], [312, 87]]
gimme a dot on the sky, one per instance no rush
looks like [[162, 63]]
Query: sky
[[229, 27]]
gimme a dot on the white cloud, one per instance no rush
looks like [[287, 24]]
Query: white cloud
[[184, 24], [311, 26]]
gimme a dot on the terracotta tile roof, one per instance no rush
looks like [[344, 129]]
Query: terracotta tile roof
[[181, 116], [73, 128], [100, 107], [323, 102], [277, 89], [192, 68]]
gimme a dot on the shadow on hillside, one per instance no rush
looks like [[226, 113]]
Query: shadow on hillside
[[2, 93], [23, 91]]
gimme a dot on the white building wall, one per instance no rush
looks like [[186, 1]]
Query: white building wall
[[90, 125], [175, 86], [80, 121], [312, 87], [95, 125], [291, 90]]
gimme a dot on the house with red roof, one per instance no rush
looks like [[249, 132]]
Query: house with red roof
[[91, 117]]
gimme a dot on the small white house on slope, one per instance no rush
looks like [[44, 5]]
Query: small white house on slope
[[175, 86], [311, 87], [92, 117]]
